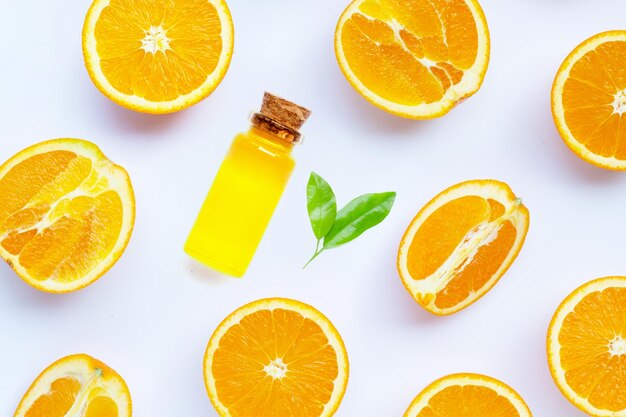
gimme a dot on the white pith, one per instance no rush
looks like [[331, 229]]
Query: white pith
[[617, 346], [92, 61], [80, 368], [104, 176], [558, 109], [423, 398], [156, 40], [554, 347], [276, 369], [619, 105], [483, 234], [470, 83], [397, 27], [308, 312]]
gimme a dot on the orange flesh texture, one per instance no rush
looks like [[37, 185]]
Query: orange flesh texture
[[193, 29], [588, 97], [585, 338], [63, 394], [444, 231], [101, 406], [57, 401], [468, 401], [243, 385], [435, 41], [473, 276], [82, 229]]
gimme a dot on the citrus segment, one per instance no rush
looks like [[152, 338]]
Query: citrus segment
[[416, 58], [157, 57], [468, 395], [589, 100], [478, 271], [276, 357], [439, 236], [66, 215], [76, 386], [58, 400], [460, 244], [587, 347]]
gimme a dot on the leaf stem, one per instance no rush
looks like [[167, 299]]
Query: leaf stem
[[318, 250]]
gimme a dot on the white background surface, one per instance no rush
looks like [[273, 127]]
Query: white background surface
[[152, 315]]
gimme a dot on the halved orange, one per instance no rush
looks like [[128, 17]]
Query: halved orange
[[157, 56], [589, 100], [76, 385], [413, 58], [276, 357], [66, 214], [472, 395], [586, 347], [461, 243]]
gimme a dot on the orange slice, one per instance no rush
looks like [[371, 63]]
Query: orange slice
[[468, 395], [461, 243], [587, 347], [276, 357], [66, 214], [589, 100], [413, 58], [157, 56], [77, 385]]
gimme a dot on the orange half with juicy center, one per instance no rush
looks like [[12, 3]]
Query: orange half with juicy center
[[589, 100], [74, 386], [413, 58], [276, 357], [461, 243], [66, 214], [157, 56], [464, 395], [587, 347]]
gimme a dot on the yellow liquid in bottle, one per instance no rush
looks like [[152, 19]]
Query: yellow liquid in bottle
[[241, 202]]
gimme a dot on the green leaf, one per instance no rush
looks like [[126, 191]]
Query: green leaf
[[357, 216], [321, 205]]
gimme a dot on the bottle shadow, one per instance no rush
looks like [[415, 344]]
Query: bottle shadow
[[205, 274]]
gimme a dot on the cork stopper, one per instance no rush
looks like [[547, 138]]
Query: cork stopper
[[281, 117], [284, 112]]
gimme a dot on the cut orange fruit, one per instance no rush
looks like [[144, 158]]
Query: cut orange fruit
[[276, 357], [66, 214], [587, 347], [468, 395], [157, 56], [589, 100], [413, 58], [77, 385], [461, 243]]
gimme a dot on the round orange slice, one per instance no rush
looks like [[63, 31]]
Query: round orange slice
[[461, 243], [589, 100], [66, 214], [276, 357], [413, 58], [157, 57], [468, 395], [77, 385], [587, 347]]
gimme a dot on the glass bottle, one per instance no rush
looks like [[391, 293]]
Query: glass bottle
[[247, 188]]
